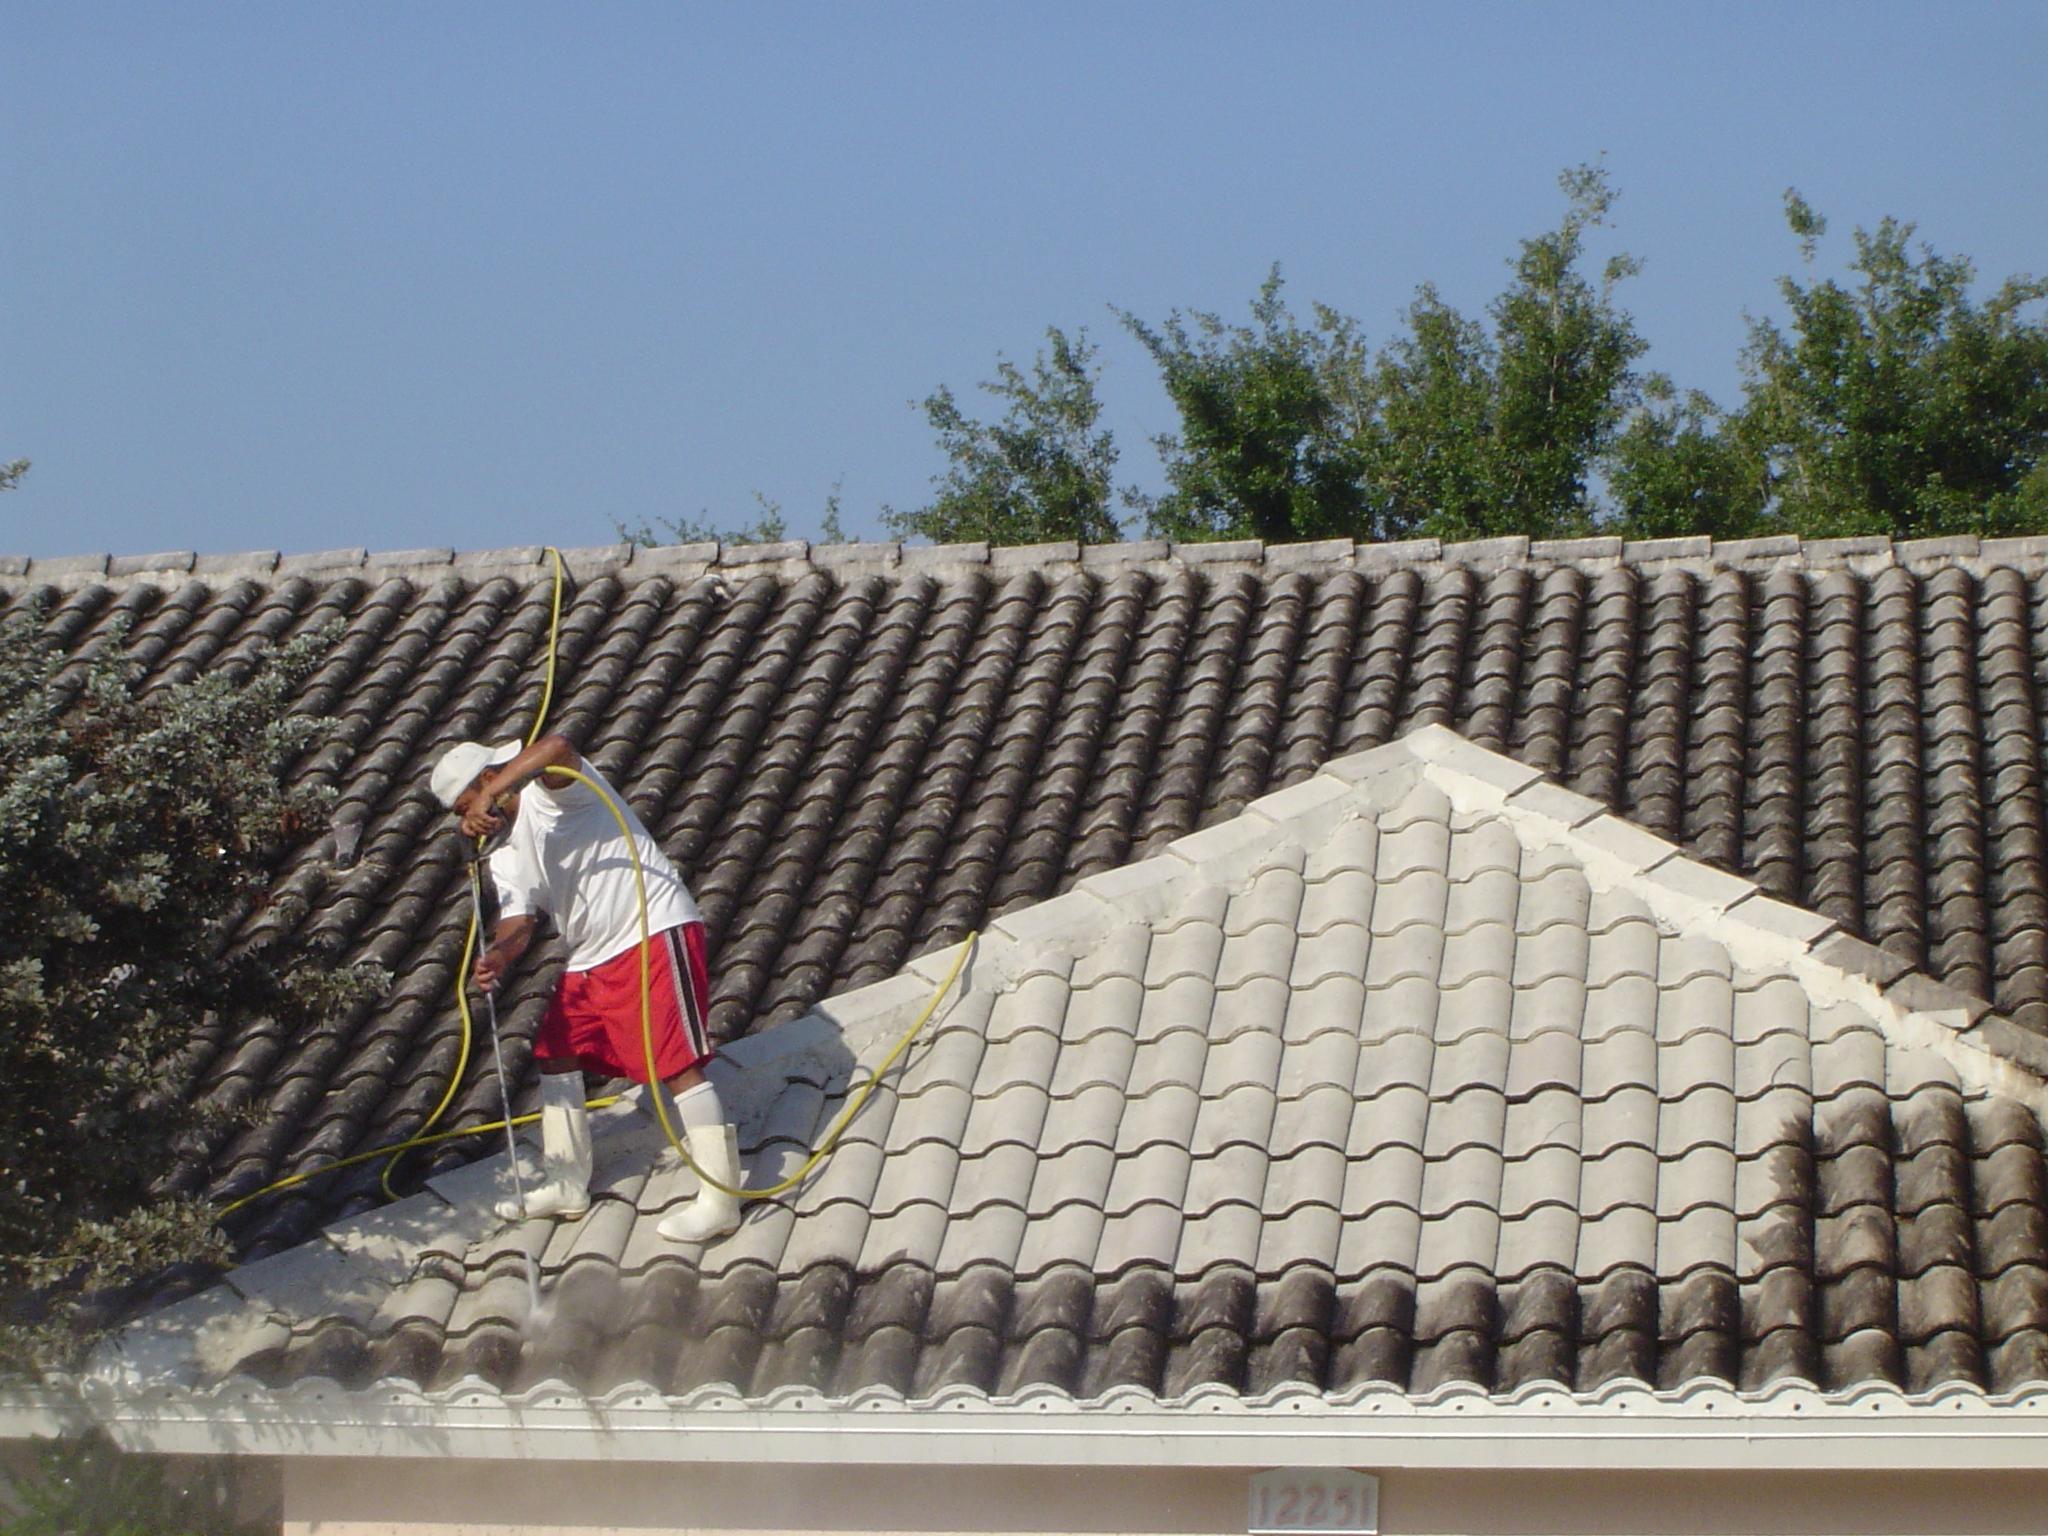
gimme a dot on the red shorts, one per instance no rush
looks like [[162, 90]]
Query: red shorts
[[595, 1016]]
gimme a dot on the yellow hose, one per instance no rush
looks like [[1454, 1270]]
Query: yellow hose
[[427, 1136], [654, 1092]]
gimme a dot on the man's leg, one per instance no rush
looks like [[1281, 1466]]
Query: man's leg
[[565, 1152], [712, 1144]]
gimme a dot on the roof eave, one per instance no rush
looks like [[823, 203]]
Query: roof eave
[[1707, 1427]]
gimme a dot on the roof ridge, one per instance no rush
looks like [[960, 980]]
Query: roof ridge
[[1602, 552]]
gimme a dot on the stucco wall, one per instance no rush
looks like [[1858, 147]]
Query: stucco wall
[[429, 1498]]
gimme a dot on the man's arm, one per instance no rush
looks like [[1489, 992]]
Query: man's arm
[[508, 942], [548, 752]]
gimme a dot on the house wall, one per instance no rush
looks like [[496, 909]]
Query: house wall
[[451, 1498]]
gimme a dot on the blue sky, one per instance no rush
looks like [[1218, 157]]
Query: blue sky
[[400, 275]]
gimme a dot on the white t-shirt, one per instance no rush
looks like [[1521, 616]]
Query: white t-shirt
[[565, 857]]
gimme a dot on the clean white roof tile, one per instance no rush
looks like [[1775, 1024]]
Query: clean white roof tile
[[1333, 1003], [1339, 950], [1485, 949], [1490, 846], [1402, 1007], [910, 1235], [1385, 1237], [1700, 1058], [1623, 1235], [1259, 1006], [1704, 1116], [1344, 896], [1546, 1237], [1621, 1005], [1624, 1174], [1147, 1234], [1466, 1236], [1704, 1176], [922, 1174], [1241, 1117], [1192, 949], [1354, 846], [1469, 1173], [1306, 1235], [1548, 1060], [1328, 1058], [1414, 900], [1394, 1117], [1313, 1176], [1155, 1172], [1123, 952], [1274, 897], [1226, 1234], [1550, 1117], [1556, 951], [1067, 1234], [1237, 1172], [1094, 1113], [1165, 1114], [1102, 1059], [1774, 1005], [1248, 1057], [1549, 1175]]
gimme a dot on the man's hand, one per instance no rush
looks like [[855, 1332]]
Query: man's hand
[[483, 818], [490, 968], [507, 945]]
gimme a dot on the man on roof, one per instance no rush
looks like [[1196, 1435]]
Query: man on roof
[[564, 857]]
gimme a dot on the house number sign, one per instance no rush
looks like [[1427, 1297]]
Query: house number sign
[[1327, 1500]]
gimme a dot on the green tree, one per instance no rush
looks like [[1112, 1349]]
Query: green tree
[[11, 473], [1900, 405], [1475, 432], [1269, 423], [1681, 467], [86, 1486], [1041, 473], [770, 525], [138, 833]]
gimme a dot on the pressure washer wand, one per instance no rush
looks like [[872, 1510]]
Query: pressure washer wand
[[476, 897]]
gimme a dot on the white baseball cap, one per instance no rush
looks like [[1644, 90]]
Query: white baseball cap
[[458, 767]]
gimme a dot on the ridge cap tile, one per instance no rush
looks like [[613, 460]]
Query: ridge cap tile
[[1057, 552], [1250, 551], [324, 560], [1128, 552], [923, 556], [871, 552], [1601, 548], [764, 554], [1398, 551], [167, 562], [1648, 551]]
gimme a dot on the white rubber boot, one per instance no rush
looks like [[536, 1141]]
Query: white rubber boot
[[716, 1150], [564, 1190]]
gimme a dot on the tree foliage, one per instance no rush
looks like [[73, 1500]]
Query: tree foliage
[[1895, 401], [1042, 472], [85, 1486], [1899, 405], [768, 525], [1476, 431], [139, 829], [1267, 446]]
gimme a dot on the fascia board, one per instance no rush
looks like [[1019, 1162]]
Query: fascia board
[[1789, 1433]]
